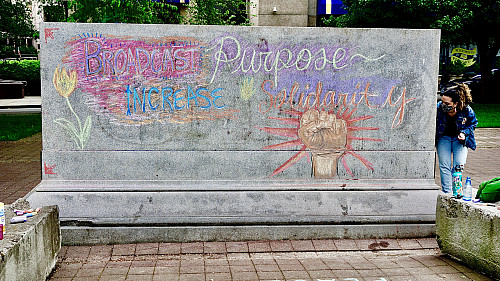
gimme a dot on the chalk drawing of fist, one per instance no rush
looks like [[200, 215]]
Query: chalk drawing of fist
[[326, 137]]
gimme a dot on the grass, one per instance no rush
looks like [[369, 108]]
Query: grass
[[18, 126], [488, 115]]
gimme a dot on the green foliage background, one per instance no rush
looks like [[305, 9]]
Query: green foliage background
[[200, 12], [23, 70], [218, 12], [17, 126], [111, 11], [488, 115], [15, 19]]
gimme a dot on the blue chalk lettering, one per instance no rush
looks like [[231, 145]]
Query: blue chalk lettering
[[136, 97], [94, 55], [179, 57], [191, 96], [198, 94], [149, 98], [128, 92], [165, 97], [216, 98], [139, 68], [177, 99]]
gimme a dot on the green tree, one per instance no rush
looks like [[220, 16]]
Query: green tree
[[55, 11], [385, 14], [213, 12], [15, 22], [462, 22], [115, 11], [476, 22], [218, 12], [15, 19]]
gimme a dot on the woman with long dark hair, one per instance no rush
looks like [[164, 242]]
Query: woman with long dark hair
[[455, 124]]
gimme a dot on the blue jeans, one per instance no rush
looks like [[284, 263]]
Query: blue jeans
[[446, 148]]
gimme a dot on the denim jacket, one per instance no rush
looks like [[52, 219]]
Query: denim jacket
[[466, 123]]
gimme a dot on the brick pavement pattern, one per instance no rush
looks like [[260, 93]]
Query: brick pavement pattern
[[363, 260], [20, 167]]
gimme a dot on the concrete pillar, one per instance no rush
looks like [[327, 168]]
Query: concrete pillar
[[281, 13]]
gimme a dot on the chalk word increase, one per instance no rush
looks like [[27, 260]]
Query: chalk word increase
[[254, 59], [172, 99]]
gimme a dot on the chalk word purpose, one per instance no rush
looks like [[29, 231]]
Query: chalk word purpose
[[228, 50]]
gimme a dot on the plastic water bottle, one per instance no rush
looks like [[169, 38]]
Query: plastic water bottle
[[457, 182], [468, 190]]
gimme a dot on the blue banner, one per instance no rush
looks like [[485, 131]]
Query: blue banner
[[331, 7]]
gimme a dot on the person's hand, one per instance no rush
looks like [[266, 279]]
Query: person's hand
[[461, 136], [326, 137]]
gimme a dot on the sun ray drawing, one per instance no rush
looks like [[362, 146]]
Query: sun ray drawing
[[324, 135]]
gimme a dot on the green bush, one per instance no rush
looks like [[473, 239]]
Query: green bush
[[7, 51], [28, 50], [23, 70]]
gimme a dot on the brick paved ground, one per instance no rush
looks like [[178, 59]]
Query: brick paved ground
[[20, 167], [369, 260]]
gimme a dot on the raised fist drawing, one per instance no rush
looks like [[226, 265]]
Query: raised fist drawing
[[326, 137]]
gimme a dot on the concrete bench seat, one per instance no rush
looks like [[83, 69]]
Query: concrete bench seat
[[29, 250], [11, 89], [470, 233]]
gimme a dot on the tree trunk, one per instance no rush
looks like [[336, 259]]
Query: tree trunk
[[487, 55]]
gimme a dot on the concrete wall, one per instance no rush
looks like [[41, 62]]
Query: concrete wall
[[288, 13], [238, 125], [29, 250], [470, 233]]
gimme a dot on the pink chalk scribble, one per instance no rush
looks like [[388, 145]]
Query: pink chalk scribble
[[49, 33], [49, 169], [154, 71]]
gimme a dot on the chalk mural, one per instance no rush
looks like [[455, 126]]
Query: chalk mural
[[65, 85], [138, 81]]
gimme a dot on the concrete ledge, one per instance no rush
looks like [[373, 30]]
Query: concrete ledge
[[81, 235], [29, 250], [110, 212], [470, 233]]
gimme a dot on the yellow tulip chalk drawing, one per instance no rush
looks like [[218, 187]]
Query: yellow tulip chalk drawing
[[65, 85]]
